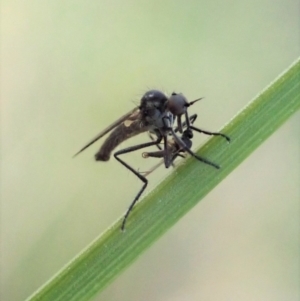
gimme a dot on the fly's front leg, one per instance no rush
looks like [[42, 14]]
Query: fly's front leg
[[184, 124], [152, 138], [142, 178], [188, 150], [210, 133], [193, 118]]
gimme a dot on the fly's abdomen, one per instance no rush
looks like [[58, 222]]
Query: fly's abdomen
[[123, 132]]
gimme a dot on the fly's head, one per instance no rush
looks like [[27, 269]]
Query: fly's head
[[153, 107], [177, 104]]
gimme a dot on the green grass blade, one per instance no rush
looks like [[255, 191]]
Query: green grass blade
[[113, 251]]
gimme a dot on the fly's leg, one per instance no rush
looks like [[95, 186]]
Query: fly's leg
[[188, 150], [210, 133], [142, 178], [192, 119]]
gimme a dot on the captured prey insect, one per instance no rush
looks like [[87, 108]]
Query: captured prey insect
[[156, 115], [174, 150]]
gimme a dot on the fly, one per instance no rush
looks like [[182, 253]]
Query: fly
[[156, 115]]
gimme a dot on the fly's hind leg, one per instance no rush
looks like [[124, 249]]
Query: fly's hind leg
[[142, 178]]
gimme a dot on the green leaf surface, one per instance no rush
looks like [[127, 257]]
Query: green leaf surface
[[114, 250]]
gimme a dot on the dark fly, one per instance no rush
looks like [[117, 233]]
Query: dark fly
[[175, 150], [156, 115]]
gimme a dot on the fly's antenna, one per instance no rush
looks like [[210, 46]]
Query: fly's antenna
[[192, 102]]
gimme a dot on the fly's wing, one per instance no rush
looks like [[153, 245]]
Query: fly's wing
[[147, 173], [160, 163], [128, 117]]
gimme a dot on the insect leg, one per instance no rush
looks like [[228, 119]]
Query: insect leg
[[161, 162], [147, 173], [189, 124], [188, 150], [210, 133], [160, 148], [152, 138], [167, 154], [142, 178], [192, 119]]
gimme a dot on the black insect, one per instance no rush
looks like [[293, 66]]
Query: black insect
[[174, 150], [156, 115]]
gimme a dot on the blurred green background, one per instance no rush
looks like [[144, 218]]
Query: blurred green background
[[69, 68]]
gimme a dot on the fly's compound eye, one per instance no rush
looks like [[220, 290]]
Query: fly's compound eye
[[149, 111], [154, 96], [153, 99], [177, 104]]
